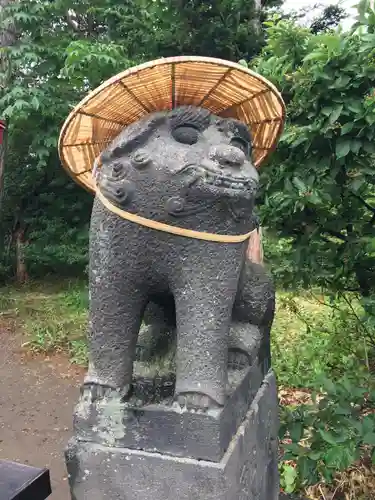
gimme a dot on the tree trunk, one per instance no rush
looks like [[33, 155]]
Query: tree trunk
[[21, 272]]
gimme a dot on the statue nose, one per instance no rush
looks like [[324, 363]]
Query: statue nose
[[227, 155]]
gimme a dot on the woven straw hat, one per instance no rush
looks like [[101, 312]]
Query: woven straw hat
[[225, 88]]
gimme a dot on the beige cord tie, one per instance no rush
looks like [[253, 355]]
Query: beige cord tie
[[179, 231]]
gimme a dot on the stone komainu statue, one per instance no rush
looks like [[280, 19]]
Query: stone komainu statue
[[173, 212], [191, 166], [175, 146]]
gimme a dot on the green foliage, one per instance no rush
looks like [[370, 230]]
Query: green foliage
[[330, 18], [310, 324], [228, 29], [64, 49], [53, 315], [317, 199], [330, 434], [319, 190]]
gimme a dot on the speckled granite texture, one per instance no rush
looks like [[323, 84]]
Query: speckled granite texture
[[247, 471]]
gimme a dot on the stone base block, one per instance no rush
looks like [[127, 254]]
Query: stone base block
[[164, 428], [247, 471]]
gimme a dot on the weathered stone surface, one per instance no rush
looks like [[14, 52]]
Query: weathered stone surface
[[254, 310], [248, 470], [202, 433], [167, 428], [191, 169]]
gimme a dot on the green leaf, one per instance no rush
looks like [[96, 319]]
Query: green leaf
[[335, 114], [368, 422], [315, 455], [298, 183], [307, 470], [346, 128], [35, 102], [357, 184], [328, 437], [296, 432], [340, 410], [354, 106], [289, 475], [355, 146], [314, 198], [327, 111], [369, 147], [339, 457], [315, 56], [342, 148], [342, 81], [298, 141], [295, 449], [369, 438], [329, 387]]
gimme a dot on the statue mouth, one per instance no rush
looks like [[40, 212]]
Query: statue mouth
[[217, 178]]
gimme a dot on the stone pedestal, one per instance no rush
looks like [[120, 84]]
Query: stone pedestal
[[244, 468], [166, 428]]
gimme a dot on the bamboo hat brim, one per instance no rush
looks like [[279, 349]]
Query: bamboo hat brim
[[226, 89]]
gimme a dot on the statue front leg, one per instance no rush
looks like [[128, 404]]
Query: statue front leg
[[203, 314], [115, 318], [117, 302]]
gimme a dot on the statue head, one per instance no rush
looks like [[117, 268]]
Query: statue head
[[187, 150]]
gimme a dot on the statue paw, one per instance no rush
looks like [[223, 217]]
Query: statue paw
[[238, 360], [196, 401], [93, 392]]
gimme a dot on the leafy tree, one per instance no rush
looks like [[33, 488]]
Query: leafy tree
[[64, 49], [41, 205], [330, 18], [228, 29], [319, 190], [7, 39]]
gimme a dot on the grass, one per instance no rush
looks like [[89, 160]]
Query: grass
[[52, 315], [307, 337]]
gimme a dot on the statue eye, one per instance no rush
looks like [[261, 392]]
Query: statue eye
[[186, 134], [240, 143]]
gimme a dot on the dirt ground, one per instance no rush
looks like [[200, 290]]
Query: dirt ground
[[37, 397]]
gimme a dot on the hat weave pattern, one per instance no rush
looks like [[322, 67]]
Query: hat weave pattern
[[225, 88]]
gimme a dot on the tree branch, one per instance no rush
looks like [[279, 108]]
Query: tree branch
[[71, 19], [336, 234], [364, 202]]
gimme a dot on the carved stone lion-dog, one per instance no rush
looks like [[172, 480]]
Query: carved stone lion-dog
[[190, 169]]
